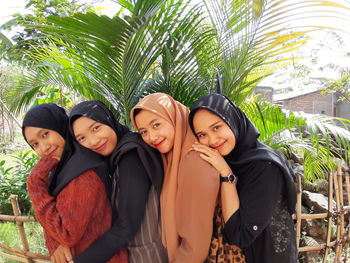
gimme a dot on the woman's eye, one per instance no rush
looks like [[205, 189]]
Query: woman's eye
[[80, 139], [35, 145], [156, 125], [201, 135], [215, 128], [45, 134], [143, 133], [96, 128]]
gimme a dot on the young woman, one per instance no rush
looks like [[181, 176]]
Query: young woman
[[68, 186], [257, 187], [137, 181], [191, 185]]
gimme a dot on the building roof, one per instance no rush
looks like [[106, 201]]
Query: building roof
[[294, 94]]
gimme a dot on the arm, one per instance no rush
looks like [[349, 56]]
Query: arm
[[133, 195], [260, 190], [63, 217], [228, 191], [198, 187]]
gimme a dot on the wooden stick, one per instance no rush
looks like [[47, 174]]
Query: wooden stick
[[17, 212], [298, 211], [347, 181], [17, 218], [26, 254], [330, 209], [311, 216], [337, 200], [20, 259], [341, 209], [315, 248]]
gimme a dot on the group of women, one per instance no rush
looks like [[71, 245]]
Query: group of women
[[186, 187]]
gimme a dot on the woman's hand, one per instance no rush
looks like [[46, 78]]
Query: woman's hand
[[62, 255], [213, 157]]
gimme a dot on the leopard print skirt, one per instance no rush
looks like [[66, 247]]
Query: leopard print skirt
[[219, 251]]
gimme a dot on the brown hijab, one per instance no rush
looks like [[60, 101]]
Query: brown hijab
[[177, 180]]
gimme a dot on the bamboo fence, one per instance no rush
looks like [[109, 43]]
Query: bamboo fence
[[339, 245], [24, 254]]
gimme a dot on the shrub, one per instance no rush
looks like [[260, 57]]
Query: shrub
[[13, 181]]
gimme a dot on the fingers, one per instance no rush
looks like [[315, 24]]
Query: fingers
[[205, 149], [67, 254], [62, 258], [206, 158], [62, 255], [53, 260]]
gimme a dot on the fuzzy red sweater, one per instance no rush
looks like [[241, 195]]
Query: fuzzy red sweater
[[79, 214]]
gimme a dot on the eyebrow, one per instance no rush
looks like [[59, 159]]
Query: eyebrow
[[211, 126], [215, 123], [77, 135], [150, 123]]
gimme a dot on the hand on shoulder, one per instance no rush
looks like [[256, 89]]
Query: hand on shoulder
[[213, 157]]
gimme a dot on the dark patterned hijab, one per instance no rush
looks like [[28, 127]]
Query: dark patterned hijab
[[99, 112], [75, 159], [248, 149]]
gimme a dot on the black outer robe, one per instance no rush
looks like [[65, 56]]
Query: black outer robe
[[262, 226], [135, 167]]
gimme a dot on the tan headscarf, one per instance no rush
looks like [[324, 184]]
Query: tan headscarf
[[187, 208]]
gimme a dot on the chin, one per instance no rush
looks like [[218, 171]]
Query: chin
[[164, 151]]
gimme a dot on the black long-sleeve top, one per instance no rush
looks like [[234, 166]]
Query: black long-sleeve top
[[262, 226], [132, 197]]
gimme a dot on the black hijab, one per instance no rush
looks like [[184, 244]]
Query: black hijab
[[248, 149], [99, 112], [75, 159], [127, 141]]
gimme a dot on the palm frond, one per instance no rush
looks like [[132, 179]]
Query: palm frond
[[256, 35]]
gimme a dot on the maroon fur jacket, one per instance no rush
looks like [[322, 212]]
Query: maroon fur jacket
[[77, 216]]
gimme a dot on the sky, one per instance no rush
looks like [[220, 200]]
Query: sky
[[17, 6], [10, 7], [335, 54]]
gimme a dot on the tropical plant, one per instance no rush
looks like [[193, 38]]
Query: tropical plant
[[178, 48], [13, 181]]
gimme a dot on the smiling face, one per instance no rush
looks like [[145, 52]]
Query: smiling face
[[156, 131], [213, 131], [45, 142], [95, 136]]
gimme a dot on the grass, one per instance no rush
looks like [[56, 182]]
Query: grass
[[9, 236]]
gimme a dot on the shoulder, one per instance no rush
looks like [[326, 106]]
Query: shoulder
[[89, 177], [192, 162], [263, 169]]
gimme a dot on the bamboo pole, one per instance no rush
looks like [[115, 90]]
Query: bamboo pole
[[347, 182], [312, 216], [316, 248], [17, 218], [26, 254], [342, 211], [298, 211], [337, 200], [330, 210], [12, 257], [17, 212]]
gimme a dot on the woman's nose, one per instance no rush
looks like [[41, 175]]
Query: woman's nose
[[45, 148], [153, 136]]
